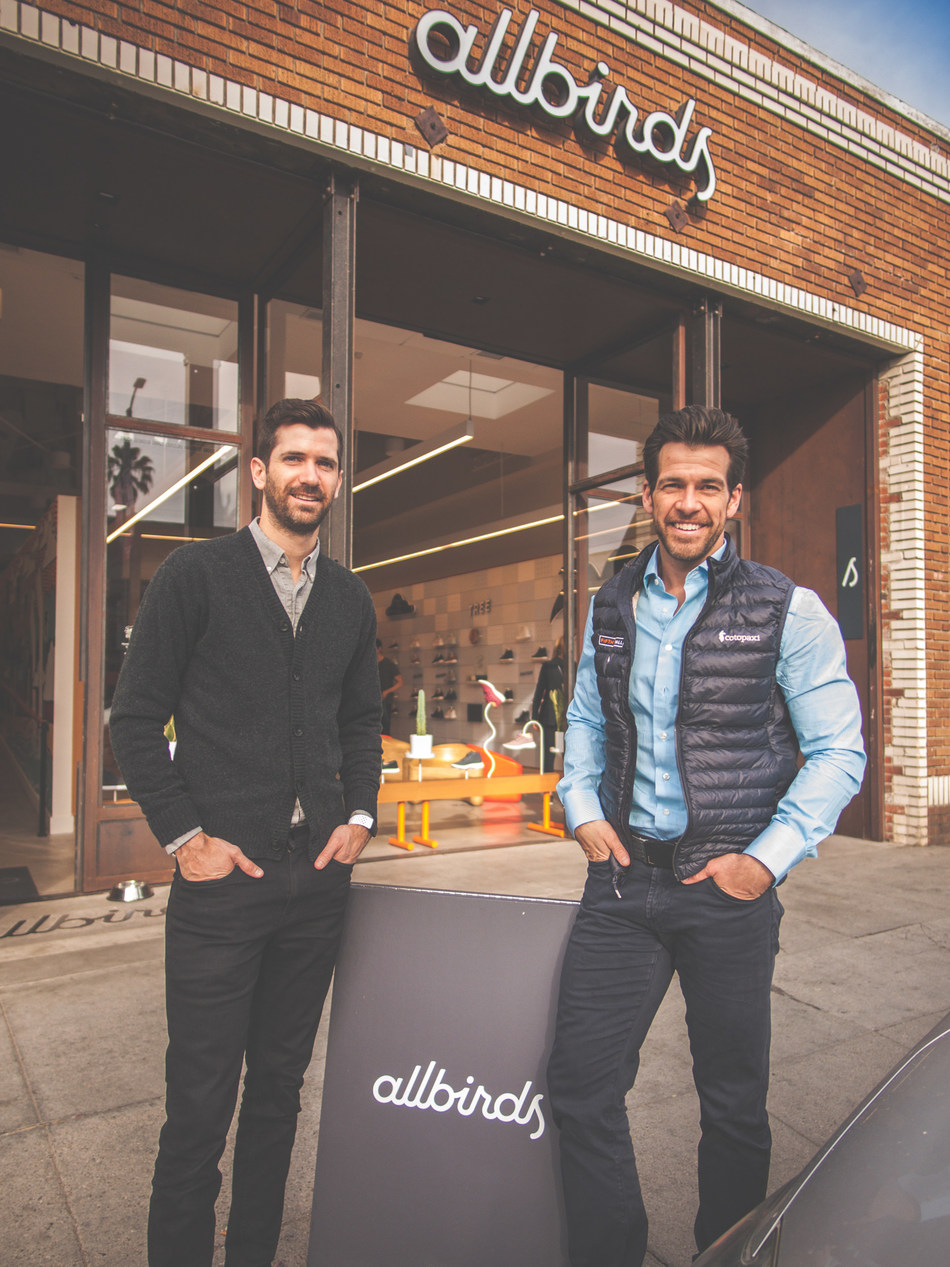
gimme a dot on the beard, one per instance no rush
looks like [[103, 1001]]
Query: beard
[[290, 515], [698, 546]]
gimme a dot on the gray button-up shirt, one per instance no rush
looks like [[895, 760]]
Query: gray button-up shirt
[[293, 596]]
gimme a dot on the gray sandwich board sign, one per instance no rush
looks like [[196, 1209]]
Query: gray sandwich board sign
[[436, 1145]]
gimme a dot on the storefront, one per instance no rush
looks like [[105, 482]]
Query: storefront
[[497, 243]]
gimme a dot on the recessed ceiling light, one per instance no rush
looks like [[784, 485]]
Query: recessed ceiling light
[[479, 395]]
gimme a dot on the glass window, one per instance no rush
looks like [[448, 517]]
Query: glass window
[[618, 423], [294, 351], [172, 356], [41, 367], [458, 457], [160, 492], [458, 527]]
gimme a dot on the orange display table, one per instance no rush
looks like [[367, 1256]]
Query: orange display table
[[401, 792]]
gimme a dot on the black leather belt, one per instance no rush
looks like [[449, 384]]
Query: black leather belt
[[655, 853]]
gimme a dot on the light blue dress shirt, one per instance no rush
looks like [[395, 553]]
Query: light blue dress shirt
[[822, 703]]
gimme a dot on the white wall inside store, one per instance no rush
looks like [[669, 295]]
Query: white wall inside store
[[509, 608]]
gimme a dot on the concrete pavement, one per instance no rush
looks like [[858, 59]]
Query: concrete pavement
[[865, 971]]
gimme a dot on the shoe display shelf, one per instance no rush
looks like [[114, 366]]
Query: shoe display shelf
[[430, 660]]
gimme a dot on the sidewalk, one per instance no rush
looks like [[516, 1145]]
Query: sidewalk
[[865, 971]]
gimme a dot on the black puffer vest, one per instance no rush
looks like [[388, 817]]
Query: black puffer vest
[[736, 748]]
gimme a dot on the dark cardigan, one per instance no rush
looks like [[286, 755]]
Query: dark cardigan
[[261, 716]]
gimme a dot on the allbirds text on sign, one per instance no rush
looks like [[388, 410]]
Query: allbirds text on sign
[[447, 47], [413, 1093]]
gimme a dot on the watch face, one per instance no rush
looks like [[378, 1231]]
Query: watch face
[[473, 637]]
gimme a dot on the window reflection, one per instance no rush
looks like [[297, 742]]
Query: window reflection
[[618, 423], [294, 351], [161, 492], [172, 356]]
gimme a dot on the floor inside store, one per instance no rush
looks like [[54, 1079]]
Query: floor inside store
[[49, 862]]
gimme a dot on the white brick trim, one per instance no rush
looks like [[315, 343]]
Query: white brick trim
[[85, 44], [903, 646], [668, 31]]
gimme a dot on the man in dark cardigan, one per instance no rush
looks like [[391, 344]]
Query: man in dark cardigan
[[264, 650]]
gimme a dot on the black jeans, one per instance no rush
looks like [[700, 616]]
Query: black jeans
[[247, 965], [620, 958]]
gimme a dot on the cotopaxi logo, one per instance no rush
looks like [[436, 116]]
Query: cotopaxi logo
[[446, 47], [523, 1108], [727, 637]]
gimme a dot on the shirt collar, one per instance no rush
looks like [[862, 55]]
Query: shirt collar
[[652, 574], [274, 556]]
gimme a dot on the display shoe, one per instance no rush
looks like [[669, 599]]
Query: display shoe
[[391, 767], [399, 607], [438, 658], [522, 718], [451, 714], [471, 761], [508, 655], [519, 741], [491, 693], [437, 714], [540, 654], [509, 696]]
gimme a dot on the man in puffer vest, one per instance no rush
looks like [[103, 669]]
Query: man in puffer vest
[[702, 676]]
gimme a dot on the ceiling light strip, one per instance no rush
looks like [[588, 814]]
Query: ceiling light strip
[[467, 541], [485, 536], [418, 453]]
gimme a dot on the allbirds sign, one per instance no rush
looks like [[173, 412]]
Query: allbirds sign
[[466, 1099], [435, 1096], [520, 66]]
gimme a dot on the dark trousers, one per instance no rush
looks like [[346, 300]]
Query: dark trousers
[[247, 963], [620, 958]]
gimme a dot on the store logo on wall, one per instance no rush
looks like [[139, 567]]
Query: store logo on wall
[[523, 1108], [533, 79]]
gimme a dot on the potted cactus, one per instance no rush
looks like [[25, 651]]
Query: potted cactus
[[420, 744]]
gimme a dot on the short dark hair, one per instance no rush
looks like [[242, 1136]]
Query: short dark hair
[[287, 412], [698, 427]]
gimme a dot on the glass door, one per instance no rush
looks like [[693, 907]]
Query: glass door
[[168, 466]]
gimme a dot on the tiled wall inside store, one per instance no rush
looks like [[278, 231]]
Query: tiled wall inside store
[[483, 614]]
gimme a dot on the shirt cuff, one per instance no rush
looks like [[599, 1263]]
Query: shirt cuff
[[581, 807], [183, 840], [360, 819], [778, 848]]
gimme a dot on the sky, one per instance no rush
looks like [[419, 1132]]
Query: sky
[[902, 46]]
